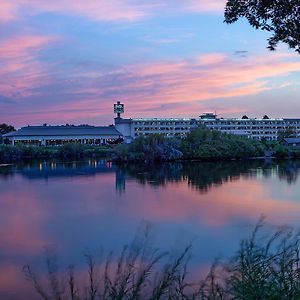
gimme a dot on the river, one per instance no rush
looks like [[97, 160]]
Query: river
[[75, 207]]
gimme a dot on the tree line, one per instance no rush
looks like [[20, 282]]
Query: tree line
[[201, 143], [204, 144]]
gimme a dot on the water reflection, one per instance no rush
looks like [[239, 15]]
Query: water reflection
[[201, 176], [81, 205], [48, 169], [52, 169]]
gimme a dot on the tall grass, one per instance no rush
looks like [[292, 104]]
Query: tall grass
[[264, 267]]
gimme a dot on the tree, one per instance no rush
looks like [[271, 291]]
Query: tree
[[4, 128], [205, 143], [280, 17]]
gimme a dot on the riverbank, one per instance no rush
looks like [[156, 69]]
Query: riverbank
[[9, 153], [201, 144]]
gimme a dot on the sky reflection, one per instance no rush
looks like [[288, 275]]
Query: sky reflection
[[90, 205]]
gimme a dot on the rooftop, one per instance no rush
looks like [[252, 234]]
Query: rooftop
[[211, 119], [68, 130], [292, 140]]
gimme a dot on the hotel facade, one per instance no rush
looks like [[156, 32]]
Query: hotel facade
[[253, 128], [59, 135], [128, 129]]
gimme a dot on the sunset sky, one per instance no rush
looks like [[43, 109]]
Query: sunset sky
[[68, 61]]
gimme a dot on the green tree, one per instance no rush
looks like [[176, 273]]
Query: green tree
[[280, 17], [4, 128], [212, 144], [154, 147]]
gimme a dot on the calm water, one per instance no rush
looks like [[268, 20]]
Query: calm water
[[80, 206]]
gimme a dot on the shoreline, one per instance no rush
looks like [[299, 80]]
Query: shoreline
[[107, 155]]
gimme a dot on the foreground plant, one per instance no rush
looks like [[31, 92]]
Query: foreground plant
[[264, 267]]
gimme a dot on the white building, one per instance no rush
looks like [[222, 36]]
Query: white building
[[60, 135], [129, 129], [253, 128]]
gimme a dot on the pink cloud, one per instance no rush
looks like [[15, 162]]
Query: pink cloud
[[212, 58], [181, 86], [99, 10], [7, 11], [20, 67], [16, 47], [103, 10], [207, 77], [206, 5]]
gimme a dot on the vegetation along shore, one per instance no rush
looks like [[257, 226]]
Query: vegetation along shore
[[200, 144]]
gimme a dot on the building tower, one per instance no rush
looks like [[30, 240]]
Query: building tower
[[118, 109]]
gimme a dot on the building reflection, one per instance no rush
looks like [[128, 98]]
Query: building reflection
[[201, 176], [76, 213], [120, 181], [46, 170]]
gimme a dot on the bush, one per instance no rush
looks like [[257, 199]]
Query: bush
[[9, 153], [147, 149], [212, 144], [71, 151], [295, 153], [201, 143], [281, 151]]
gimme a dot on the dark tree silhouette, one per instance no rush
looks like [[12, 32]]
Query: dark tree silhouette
[[280, 17], [4, 128]]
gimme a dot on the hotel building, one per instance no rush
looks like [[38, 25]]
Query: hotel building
[[129, 129], [59, 135], [253, 128]]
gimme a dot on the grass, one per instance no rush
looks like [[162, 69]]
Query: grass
[[264, 267]]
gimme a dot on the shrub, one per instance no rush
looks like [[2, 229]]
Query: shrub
[[281, 151], [71, 151], [150, 148], [212, 144]]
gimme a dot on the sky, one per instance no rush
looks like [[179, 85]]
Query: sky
[[66, 61]]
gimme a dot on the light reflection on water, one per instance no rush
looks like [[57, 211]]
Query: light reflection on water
[[87, 205]]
